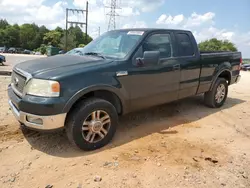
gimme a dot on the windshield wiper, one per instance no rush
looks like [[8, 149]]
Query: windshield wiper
[[94, 54]]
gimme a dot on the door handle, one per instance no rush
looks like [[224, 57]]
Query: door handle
[[176, 67]]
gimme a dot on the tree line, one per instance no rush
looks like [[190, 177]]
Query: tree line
[[34, 37]]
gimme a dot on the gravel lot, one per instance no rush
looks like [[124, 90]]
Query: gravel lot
[[13, 59], [182, 144]]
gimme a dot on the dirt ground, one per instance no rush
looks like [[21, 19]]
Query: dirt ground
[[182, 144]]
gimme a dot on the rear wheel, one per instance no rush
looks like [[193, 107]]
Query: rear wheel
[[218, 95], [92, 124]]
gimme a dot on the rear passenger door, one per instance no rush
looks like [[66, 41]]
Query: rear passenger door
[[189, 60]]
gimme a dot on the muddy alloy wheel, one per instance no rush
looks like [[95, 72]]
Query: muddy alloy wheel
[[218, 95], [92, 124], [96, 126]]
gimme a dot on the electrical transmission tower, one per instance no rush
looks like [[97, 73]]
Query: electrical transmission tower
[[112, 14]]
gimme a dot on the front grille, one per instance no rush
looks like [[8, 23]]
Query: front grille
[[18, 81]]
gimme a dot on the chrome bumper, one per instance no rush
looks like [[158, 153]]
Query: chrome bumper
[[47, 122]]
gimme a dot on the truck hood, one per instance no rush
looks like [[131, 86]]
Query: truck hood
[[47, 64]]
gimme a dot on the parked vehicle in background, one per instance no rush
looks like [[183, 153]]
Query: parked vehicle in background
[[3, 50], [2, 59], [27, 52], [245, 67], [86, 89], [61, 52], [37, 53], [19, 50], [12, 50]]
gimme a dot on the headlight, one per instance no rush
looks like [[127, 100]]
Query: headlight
[[43, 88]]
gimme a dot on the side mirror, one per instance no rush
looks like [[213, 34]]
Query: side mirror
[[149, 58]]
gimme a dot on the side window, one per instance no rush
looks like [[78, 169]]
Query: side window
[[159, 42], [185, 45]]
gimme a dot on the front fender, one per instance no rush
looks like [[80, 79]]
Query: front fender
[[121, 94]]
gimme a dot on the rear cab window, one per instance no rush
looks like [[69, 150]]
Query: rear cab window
[[185, 46]]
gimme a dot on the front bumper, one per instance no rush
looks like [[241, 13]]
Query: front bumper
[[38, 122]]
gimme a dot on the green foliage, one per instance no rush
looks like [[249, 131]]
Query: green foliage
[[3, 24], [71, 42], [217, 45], [12, 35], [52, 38], [31, 36], [42, 49], [27, 36], [81, 45]]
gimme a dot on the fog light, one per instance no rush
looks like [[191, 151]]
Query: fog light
[[35, 120]]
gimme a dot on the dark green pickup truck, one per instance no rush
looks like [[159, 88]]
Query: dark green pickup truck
[[85, 90]]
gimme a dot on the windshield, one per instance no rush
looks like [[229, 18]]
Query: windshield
[[113, 44]]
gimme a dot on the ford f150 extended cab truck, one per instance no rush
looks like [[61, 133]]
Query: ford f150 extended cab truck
[[85, 90]]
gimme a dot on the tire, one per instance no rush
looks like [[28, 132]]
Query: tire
[[210, 96], [80, 124]]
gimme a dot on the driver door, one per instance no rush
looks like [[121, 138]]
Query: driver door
[[156, 83]]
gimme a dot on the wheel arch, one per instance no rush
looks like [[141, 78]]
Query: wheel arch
[[109, 93], [224, 73]]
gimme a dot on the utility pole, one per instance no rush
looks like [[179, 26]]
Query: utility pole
[[81, 23], [86, 28], [112, 14]]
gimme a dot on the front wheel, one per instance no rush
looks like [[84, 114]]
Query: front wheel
[[92, 124], [218, 95]]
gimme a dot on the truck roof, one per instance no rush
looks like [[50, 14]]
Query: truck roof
[[150, 29]]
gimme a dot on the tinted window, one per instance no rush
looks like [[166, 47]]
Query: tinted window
[[159, 42], [184, 45]]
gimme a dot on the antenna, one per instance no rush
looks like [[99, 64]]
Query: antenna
[[112, 14]]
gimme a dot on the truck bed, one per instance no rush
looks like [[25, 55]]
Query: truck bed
[[227, 55]]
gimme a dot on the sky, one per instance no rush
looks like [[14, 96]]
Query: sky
[[223, 19]]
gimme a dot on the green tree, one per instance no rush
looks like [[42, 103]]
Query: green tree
[[27, 36], [12, 34], [31, 36], [42, 49], [3, 23], [71, 42], [3, 38], [59, 29], [52, 38], [40, 35], [217, 45], [79, 38]]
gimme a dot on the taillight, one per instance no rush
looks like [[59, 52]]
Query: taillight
[[240, 63]]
